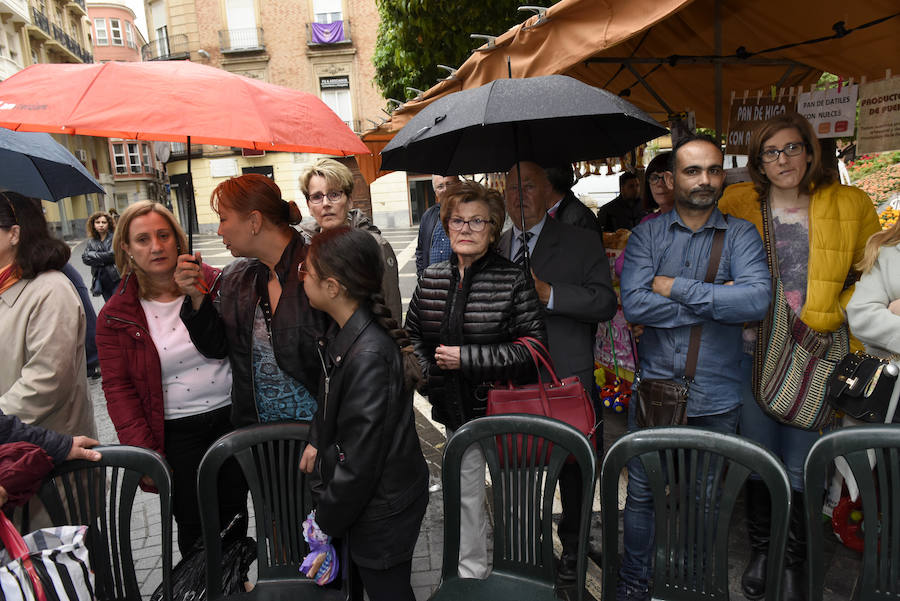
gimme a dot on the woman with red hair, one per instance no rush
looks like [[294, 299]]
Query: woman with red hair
[[261, 318]]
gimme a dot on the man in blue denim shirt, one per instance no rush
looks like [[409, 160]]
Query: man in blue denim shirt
[[663, 290]]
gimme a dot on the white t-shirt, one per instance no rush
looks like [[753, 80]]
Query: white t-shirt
[[191, 383]]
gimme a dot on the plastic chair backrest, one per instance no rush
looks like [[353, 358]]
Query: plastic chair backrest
[[695, 476], [524, 470], [269, 457], [101, 495], [879, 489]]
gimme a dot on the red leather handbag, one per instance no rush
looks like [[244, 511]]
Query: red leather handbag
[[565, 400]]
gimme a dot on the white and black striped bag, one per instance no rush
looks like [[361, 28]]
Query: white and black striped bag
[[56, 557]]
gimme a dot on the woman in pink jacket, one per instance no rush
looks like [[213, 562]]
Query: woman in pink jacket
[[161, 393]]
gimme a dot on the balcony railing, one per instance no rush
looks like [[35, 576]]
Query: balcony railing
[[40, 19], [165, 49], [81, 4], [323, 35], [241, 40], [69, 43]]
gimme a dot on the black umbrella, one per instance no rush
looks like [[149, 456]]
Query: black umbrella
[[549, 120], [36, 165]]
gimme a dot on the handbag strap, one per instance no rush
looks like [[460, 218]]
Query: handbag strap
[[715, 257], [541, 356], [18, 550]]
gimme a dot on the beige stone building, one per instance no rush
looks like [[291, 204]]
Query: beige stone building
[[55, 31], [324, 47], [136, 174]]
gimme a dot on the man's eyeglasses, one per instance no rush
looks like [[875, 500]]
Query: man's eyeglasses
[[476, 224], [318, 197], [792, 150]]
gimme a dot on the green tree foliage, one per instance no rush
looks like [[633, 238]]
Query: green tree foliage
[[414, 36]]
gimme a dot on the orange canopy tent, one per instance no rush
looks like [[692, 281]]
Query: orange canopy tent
[[676, 55]]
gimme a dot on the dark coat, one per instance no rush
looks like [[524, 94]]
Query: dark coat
[[100, 256], [369, 460], [224, 327], [430, 219], [12, 429], [620, 214], [132, 375], [483, 313], [572, 260], [573, 212]]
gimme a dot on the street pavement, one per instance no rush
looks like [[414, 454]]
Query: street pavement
[[843, 565]]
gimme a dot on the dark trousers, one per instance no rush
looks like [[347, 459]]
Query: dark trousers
[[187, 440], [392, 584], [570, 488]]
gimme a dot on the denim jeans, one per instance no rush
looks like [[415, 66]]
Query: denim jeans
[[638, 537], [790, 444]]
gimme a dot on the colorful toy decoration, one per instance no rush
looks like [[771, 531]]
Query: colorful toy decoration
[[847, 522], [321, 564], [615, 392]]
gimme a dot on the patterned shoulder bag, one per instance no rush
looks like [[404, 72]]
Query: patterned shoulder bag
[[793, 362]]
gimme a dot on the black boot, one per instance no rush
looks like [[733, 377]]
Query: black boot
[[759, 520], [793, 586]]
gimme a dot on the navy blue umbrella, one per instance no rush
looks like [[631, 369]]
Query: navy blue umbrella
[[36, 165]]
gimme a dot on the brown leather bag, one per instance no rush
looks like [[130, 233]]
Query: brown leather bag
[[664, 402]]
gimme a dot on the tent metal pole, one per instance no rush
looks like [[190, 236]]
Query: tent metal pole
[[717, 67], [652, 92]]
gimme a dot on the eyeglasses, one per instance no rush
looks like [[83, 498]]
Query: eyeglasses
[[656, 177], [476, 224], [792, 150], [318, 197], [301, 271]]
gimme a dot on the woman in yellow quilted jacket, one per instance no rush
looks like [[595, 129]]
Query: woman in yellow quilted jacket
[[819, 231]]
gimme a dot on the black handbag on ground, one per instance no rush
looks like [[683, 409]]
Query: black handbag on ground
[[664, 402], [861, 387]]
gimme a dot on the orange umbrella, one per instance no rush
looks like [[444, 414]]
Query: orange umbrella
[[172, 101]]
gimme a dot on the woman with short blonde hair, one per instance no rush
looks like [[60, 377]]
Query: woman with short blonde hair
[[328, 185]]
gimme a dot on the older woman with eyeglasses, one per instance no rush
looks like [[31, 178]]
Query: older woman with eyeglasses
[[328, 185], [463, 320], [820, 229]]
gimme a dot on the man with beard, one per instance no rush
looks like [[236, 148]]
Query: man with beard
[[663, 289]]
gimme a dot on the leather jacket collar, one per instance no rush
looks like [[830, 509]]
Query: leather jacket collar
[[345, 338]]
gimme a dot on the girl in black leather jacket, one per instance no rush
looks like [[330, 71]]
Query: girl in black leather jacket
[[364, 446]]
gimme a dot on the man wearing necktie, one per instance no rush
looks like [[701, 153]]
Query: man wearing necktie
[[571, 275]]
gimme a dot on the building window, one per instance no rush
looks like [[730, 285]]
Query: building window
[[100, 34], [34, 57], [119, 158], [335, 92], [148, 164], [134, 157], [162, 40], [327, 11], [129, 35], [115, 29]]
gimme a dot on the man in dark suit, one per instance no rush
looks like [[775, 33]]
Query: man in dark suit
[[571, 275], [565, 206]]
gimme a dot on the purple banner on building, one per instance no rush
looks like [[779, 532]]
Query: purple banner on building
[[328, 33]]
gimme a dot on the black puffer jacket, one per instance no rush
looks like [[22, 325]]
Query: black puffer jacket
[[369, 460], [483, 313], [228, 331]]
